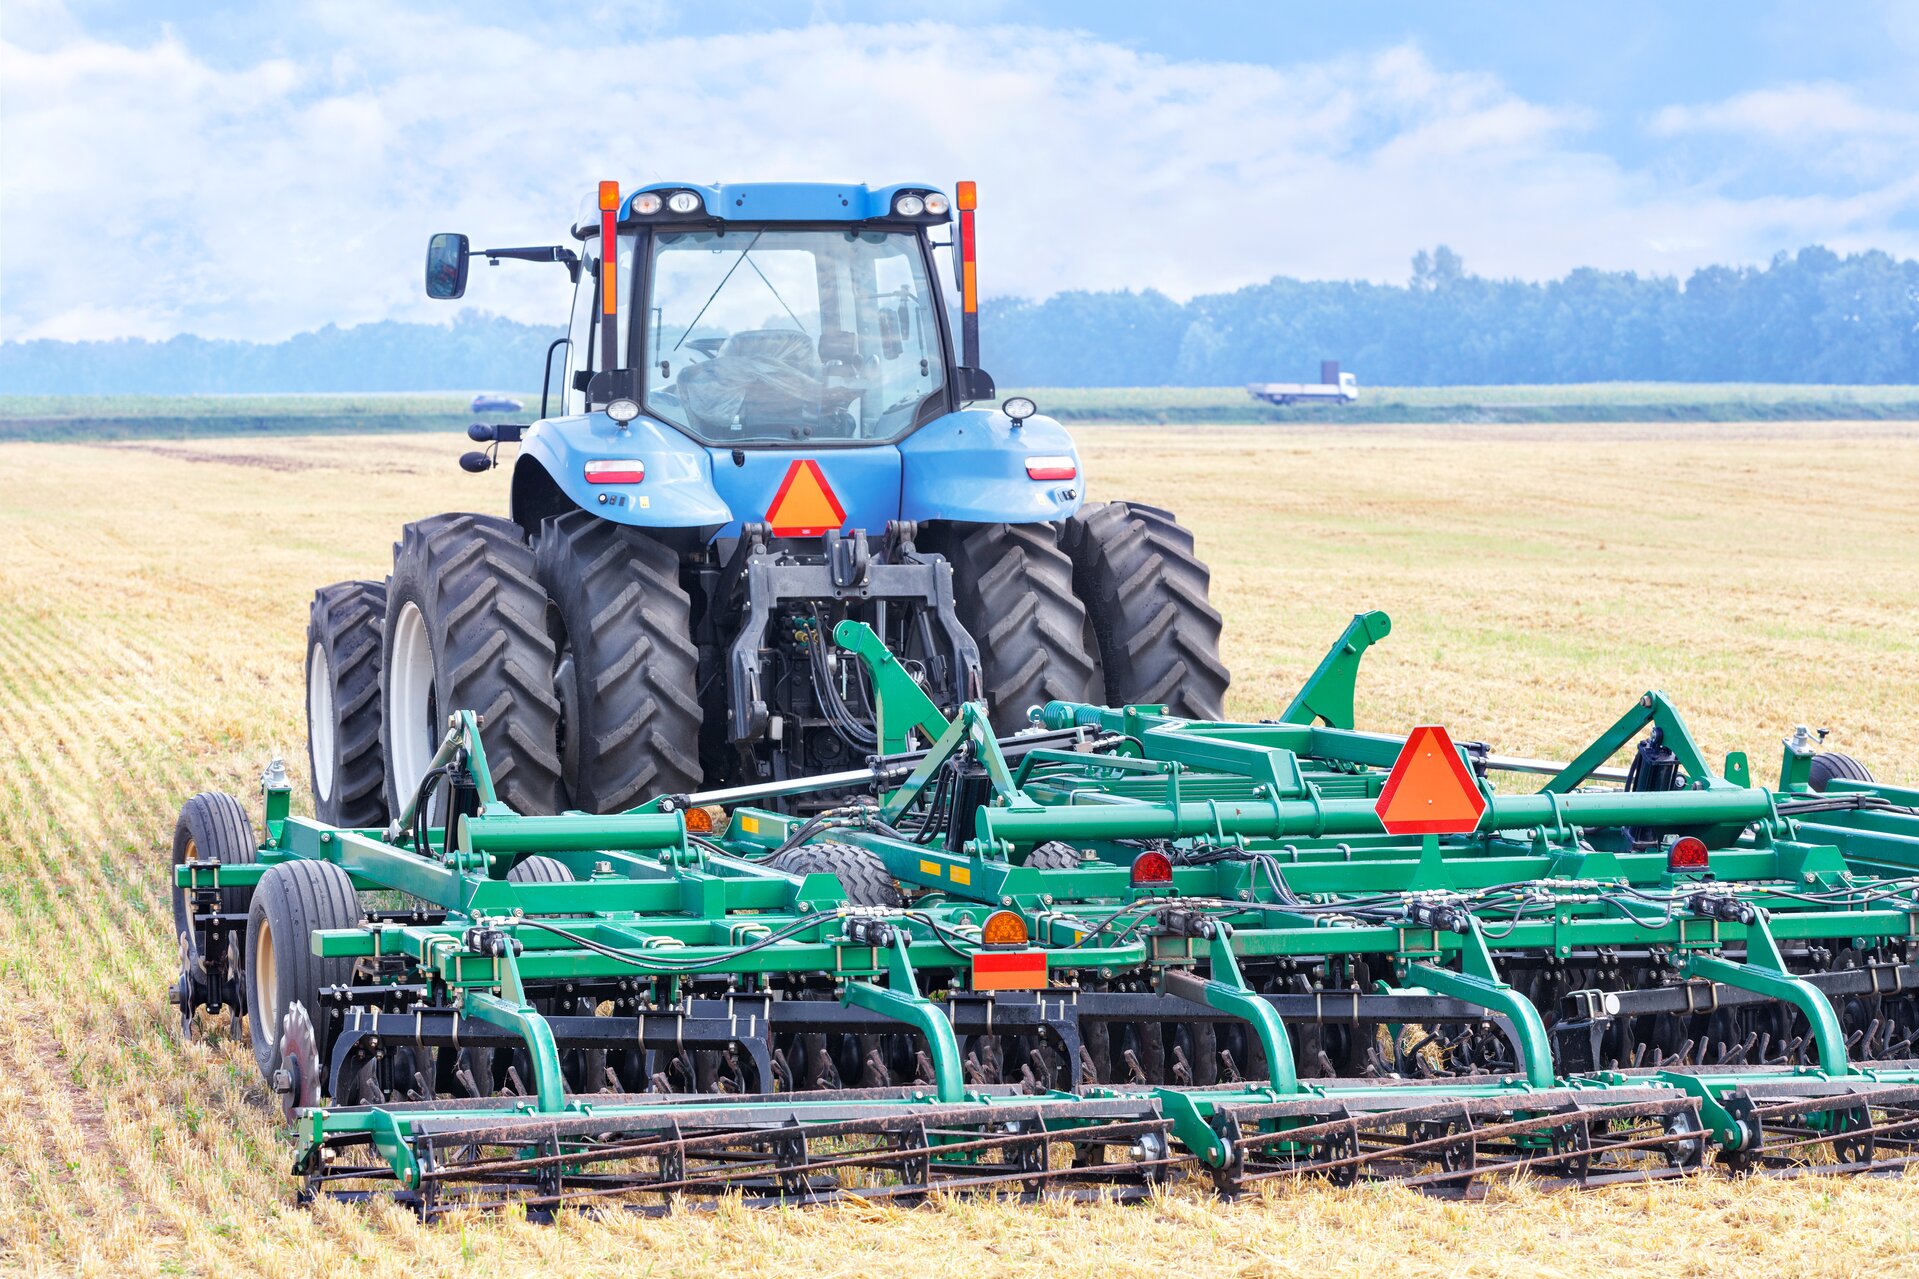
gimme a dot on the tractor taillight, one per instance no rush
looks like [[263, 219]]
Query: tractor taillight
[[626, 470], [1152, 869], [1051, 467], [1688, 852]]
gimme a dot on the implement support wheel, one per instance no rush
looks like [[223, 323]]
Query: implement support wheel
[[293, 900]]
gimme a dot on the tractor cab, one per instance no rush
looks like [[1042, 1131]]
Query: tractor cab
[[767, 423]]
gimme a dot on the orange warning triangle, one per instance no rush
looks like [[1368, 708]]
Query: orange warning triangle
[[805, 506], [1429, 791]]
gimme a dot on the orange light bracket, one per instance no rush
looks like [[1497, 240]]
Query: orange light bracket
[[966, 198], [609, 276]]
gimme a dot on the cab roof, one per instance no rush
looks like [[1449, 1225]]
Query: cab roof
[[789, 201]]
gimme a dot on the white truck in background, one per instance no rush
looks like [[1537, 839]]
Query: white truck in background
[[1333, 387]]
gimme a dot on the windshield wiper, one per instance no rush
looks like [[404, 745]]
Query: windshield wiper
[[722, 284], [776, 294]]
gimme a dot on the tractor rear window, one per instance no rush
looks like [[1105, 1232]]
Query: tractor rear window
[[773, 335]]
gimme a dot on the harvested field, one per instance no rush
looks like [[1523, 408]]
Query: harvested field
[[152, 605]]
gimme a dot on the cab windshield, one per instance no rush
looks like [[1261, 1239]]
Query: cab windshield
[[771, 335]]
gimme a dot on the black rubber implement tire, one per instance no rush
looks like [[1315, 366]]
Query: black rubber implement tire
[[1013, 592], [628, 673], [292, 901], [212, 827], [471, 579], [1053, 855], [1146, 593], [862, 875], [1830, 764], [345, 627], [539, 870]]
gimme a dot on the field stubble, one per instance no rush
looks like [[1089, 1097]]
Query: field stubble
[[151, 608]]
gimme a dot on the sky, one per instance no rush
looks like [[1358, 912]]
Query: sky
[[257, 168]]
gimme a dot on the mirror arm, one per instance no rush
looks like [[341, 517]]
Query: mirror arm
[[545, 253]]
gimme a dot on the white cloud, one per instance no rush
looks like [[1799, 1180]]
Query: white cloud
[[1801, 113], [148, 190]]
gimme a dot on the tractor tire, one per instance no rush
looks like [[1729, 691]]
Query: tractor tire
[[292, 901], [628, 672], [1830, 764], [1053, 855], [344, 630], [1013, 591], [1146, 593], [466, 630], [862, 875]]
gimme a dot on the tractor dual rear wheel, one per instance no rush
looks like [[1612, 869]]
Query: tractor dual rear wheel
[[1013, 592], [1146, 593], [628, 672], [344, 626], [466, 630]]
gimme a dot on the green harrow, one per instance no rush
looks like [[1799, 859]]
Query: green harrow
[[1115, 950]]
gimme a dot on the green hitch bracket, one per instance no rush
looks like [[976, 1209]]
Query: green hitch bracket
[[903, 704], [510, 1011], [900, 999], [1228, 992], [1765, 973], [1327, 694], [1478, 982]]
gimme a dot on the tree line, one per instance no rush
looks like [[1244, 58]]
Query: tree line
[[1813, 316]]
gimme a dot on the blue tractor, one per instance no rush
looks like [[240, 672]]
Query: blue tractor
[[762, 429]]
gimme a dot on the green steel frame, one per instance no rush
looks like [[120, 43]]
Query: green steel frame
[[1279, 866]]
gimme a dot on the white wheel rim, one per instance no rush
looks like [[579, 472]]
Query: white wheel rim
[[266, 983], [409, 684], [320, 721]]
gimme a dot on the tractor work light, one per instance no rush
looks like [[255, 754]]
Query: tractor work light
[[1688, 852], [623, 410], [624, 470], [1052, 466], [1152, 869], [1003, 928], [647, 203], [936, 204], [909, 206], [683, 202]]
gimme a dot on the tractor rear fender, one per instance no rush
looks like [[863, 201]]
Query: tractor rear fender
[[677, 492], [971, 466]]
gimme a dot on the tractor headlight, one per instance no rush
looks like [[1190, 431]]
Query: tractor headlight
[[646, 203], [623, 410], [909, 206], [683, 202], [936, 204]]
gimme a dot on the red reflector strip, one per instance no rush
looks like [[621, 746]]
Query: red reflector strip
[[624, 471], [1051, 468], [1009, 970]]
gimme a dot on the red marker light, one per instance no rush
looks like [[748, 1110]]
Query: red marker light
[[1688, 852], [626, 470], [1052, 467], [1152, 868]]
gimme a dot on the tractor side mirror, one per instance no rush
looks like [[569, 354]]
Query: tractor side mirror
[[890, 344], [447, 257]]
